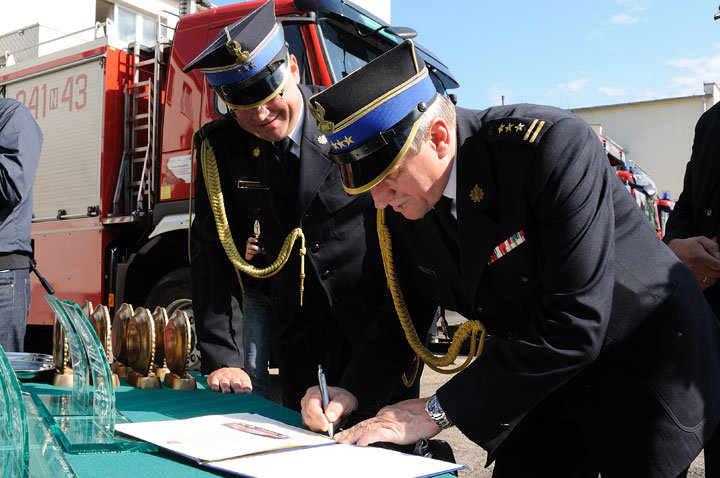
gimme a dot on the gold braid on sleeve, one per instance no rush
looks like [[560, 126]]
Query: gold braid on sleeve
[[217, 204], [469, 329]]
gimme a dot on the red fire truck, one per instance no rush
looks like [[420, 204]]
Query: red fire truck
[[640, 186], [111, 209]]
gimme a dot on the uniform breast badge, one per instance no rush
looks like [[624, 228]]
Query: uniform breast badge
[[477, 194], [256, 152], [506, 246]]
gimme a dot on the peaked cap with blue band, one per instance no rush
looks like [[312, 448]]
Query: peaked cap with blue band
[[370, 116], [247, 63]]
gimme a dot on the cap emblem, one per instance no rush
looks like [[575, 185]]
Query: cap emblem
[[243, 56], [318, 112]]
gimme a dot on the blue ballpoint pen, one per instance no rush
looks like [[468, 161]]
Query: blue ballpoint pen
[[325, 397]]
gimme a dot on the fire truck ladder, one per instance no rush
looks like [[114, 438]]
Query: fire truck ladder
[[138, 167], [137, 178]]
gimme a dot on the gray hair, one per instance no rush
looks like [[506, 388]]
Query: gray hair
[[441, 108]]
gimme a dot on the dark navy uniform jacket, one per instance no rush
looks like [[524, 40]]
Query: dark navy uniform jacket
[[20, 144], [345, 288], [697, 210], [592, 306]]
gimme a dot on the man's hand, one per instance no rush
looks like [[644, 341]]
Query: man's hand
[[341, 404], [403, 423], [701, 255], [230, 380], [251, 248]]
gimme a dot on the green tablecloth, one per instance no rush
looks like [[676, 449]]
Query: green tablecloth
[[165, 404]]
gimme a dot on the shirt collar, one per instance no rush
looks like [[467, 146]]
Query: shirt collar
[[296, 134]]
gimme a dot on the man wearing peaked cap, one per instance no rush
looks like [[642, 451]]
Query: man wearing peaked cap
[[282, 188], [248, 63], [604, 355]]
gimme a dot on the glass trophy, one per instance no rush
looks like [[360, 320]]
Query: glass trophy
[[14, 446], [27, 447], [100, 321], [84, 419]]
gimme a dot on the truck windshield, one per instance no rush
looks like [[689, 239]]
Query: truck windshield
[[348, 50]]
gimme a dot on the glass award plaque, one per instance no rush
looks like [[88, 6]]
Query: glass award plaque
[[14, 446], [83, 420], [100, 321]]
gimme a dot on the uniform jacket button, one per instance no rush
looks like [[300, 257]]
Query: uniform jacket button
[[315, 247], [306, 217], [708, 212], [479, 310], [677, 336], [510, 334], [276, 300], [524, 279], [503, 426], [337, 299], [325, 275]]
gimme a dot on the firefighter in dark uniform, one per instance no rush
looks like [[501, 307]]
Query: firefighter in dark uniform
[[297, 186], [693, 227], [605, 356]]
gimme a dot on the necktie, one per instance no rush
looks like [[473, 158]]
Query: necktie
[[442, 209], [285, 157], [448, 224]]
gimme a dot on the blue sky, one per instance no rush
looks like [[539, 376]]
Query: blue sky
[[568, 53]]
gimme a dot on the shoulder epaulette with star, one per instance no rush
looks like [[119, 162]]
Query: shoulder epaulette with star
[[516, 128]]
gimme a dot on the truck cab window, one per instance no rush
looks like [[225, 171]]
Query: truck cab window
[[347, 50], [297, 48]]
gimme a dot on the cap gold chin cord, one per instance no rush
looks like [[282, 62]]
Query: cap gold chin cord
[[469, 329], [215, 196]]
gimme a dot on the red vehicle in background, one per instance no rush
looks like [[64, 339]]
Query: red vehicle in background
[[111, 208], [640, 186]]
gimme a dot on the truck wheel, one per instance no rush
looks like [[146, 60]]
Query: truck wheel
[[174, 292]]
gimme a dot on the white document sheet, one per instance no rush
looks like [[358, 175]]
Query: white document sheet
[[259, 447], [218, 437], [346, 461]]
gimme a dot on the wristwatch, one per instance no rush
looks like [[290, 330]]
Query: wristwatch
[[433, 408]]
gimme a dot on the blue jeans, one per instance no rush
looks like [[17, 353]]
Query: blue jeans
[[256, 340], [14, 308]]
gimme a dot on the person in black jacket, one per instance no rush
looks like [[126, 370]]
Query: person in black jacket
[[692, 230], [604, 356], [296, 185], [20, 145]]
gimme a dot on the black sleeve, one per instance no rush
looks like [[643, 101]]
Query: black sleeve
[[217, 296], [571, 194], [680, 223]]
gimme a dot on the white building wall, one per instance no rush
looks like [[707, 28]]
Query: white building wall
[[55, 18], [38, 21], [657, 135]]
